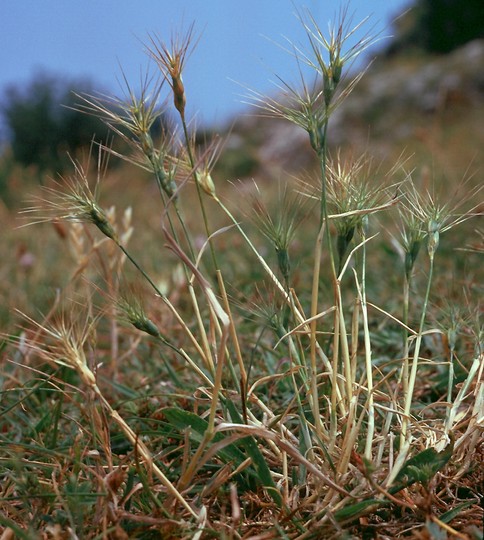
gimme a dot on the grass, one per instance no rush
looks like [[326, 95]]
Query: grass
[[291, 371]]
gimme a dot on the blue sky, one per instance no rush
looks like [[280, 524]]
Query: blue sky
[[95, 39]]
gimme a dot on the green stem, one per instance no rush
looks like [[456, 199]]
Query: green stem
[[313, 328], [191, 159], [167, 302], [418, 343], [405, 366], [450, 382], [159, 181], [207, 352]]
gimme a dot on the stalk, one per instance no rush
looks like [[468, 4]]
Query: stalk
[[320, 146], [199, 190], [313, 328], [405, 366], [345, 352], [368, 363], [418, 342], [233, 332], [299, 317], [450, 382], [412, 244], [475, 372], [207, 360]]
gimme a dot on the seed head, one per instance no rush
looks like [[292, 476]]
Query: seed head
[[355, 189], [73, 200], [132, 116], [311, 106], [430, 213], [205, 161], [64, 343], [280, 230], [204, 179], [132, 311], [171, 61]]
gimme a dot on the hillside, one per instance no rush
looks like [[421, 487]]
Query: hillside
[[430, 106]]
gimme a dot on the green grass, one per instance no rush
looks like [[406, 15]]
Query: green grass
[[251, 361]]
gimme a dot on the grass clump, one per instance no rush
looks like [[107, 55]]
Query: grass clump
[[177, 405]]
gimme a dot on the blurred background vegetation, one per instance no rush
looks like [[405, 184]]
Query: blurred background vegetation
[[423, 95], [438, 26], [41, 126]]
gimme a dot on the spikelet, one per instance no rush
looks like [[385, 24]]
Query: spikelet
[[171, 61]]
